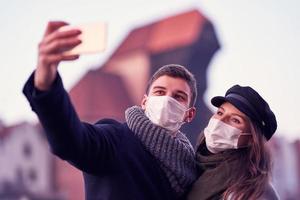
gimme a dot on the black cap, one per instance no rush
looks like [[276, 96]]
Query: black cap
[[249, 102]]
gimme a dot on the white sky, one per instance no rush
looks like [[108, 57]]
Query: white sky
[[260, 46]]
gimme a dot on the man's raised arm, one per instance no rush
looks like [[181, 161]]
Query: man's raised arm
[[82, 144]]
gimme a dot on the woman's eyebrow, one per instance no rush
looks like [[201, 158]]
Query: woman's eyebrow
[[241, 116], [220, 107], [235, 114]]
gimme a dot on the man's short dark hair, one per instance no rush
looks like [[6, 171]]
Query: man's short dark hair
[[177, 71]]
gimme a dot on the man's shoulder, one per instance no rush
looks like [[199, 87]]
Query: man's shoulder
[[109, 124], [114, 126], [109, 121]]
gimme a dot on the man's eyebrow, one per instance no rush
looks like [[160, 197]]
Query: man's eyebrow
[[182, 92], [159, 87]]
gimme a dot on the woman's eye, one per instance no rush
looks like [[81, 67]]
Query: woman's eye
[[219, 113], [236, 121]]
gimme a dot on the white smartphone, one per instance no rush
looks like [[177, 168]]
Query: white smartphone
[[93, 38]]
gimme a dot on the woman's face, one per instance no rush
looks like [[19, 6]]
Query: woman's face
[[230, 115]]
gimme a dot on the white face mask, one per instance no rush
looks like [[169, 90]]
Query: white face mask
[[220, 136], [165, 111]]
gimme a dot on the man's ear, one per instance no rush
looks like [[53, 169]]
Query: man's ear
[[143, 103], [190, 115]]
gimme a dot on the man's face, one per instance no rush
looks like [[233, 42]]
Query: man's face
[[176, 88]]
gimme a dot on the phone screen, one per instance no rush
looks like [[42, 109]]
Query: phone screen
[[93, 37]]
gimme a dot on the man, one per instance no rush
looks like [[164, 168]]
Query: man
[[145, 158]]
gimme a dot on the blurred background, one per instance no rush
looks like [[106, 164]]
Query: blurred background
[[223, 43]]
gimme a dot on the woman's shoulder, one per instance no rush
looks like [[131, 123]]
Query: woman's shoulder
[[269, 193]]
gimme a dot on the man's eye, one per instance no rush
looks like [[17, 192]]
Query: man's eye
[[179, 98], [159, 92]]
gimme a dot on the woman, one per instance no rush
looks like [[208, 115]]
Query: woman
[[233, 160]]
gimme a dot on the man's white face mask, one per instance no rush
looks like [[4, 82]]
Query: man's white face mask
[[165, 111], [220, 136]]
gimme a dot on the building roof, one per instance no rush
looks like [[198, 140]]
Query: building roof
[[172, 32]]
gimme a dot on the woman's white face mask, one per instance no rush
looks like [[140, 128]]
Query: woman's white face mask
[[165, 111], [220, 136]]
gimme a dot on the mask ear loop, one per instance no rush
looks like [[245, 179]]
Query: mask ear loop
[[248, 144], [246, 134], [188, 116]]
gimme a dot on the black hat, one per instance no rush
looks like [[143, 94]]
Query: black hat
[[249, 102]]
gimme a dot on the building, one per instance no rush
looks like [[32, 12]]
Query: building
[[26, 168]]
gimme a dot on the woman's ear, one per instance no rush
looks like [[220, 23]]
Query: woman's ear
[[190, 115], [143, 103]]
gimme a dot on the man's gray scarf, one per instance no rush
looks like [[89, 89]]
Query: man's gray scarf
[[174, 153]]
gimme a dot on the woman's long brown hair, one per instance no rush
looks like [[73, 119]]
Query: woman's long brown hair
[[252, 174]]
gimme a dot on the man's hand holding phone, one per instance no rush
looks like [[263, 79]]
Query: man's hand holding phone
[[65, 43]]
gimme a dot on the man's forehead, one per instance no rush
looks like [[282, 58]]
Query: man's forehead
[[171, 83]]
